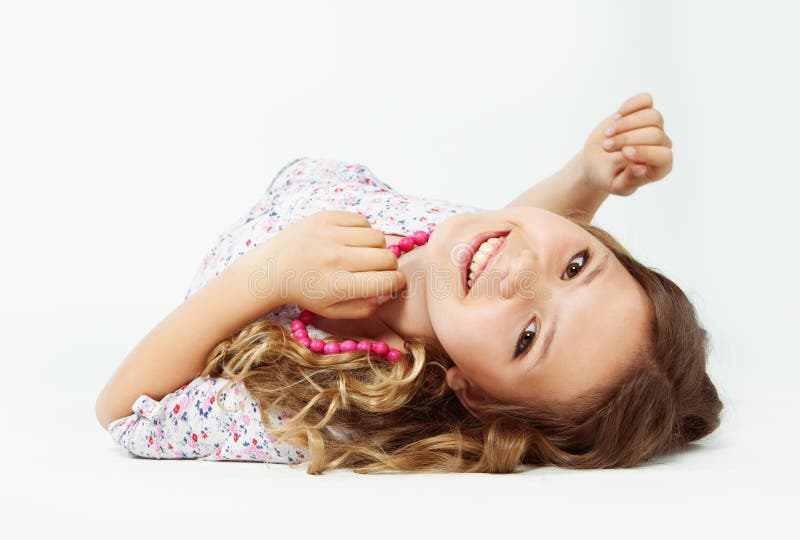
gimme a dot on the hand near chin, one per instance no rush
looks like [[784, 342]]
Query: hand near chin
[[628, 149], [331, 262]]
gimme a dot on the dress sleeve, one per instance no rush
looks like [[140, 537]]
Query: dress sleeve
[[184, 424], [208, 418]]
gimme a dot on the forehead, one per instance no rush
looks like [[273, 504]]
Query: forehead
[[599, 329]]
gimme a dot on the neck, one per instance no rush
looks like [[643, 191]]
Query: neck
[[402, 317], [407, 313]]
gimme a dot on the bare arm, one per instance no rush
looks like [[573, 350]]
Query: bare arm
[[175, 351], [625, 151], [566, 191]]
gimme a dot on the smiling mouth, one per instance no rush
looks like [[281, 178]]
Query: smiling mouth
[[483, 250]]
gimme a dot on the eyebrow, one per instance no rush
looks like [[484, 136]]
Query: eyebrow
[[548, 337]]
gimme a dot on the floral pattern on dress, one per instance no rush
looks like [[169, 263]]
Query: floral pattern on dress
[[192, 423]]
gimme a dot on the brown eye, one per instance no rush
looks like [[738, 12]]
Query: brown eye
[[526, 339], [577, 264]]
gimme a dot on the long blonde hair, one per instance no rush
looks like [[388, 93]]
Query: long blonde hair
[[403, 416]]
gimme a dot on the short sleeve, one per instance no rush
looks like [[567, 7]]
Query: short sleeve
[[209, 418], [184, 424]]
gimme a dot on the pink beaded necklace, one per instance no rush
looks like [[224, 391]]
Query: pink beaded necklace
[[380, 348]]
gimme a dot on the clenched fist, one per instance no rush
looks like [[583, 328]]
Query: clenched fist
[[331, 262], [628, 149]]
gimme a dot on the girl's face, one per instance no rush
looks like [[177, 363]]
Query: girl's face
[[552, 315]]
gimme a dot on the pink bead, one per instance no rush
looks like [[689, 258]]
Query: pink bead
[[364, 346], [306, 316], [420, 237], [316, 345], [297, 324], [301, 333], [394, 355], [395, 249], [347, 345], [379, 347], [406, 244], [305, 341], [331, 347]]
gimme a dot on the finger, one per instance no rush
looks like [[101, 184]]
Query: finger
[[363, 259], [635, 103], [638, 169], [375, 283], [625, 183], [616, 160], [647, 135], [638, 119], [655, 156], [649, 173], [360, 236], [357, 308], [628, 181]]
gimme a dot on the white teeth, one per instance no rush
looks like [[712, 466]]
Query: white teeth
[[481, 255]]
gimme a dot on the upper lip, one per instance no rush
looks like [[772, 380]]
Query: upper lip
[[473, 247]]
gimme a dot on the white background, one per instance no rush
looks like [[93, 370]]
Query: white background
[[132, 134]]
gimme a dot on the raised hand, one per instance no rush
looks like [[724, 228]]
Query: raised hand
[[628, 149]]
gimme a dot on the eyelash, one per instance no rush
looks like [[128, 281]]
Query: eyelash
[[585, 255]]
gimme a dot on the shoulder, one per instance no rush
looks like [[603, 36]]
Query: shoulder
[[318, 172], [328, 184]]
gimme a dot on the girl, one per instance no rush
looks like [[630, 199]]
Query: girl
[[343, 324]]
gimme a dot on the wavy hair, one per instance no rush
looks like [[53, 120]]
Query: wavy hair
[[403, 417]]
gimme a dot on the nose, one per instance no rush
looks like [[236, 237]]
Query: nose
[[521, 280]]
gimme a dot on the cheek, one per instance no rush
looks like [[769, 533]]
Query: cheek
[[471, 336], [449, 324], [450, 328], [484, 365]]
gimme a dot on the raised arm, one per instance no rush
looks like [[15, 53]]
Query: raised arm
[[565, 192], [625, 151]]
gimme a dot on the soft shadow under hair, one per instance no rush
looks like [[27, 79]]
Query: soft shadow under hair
[[355, 410]]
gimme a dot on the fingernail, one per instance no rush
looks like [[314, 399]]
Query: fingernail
[[639, 172], [617, 116], [383, 299], [629, 151], [609, 131], [608, 144]]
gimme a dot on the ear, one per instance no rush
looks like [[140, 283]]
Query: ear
[[467, 392]]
